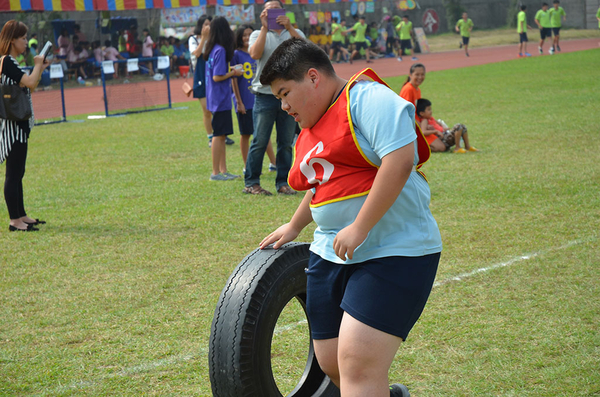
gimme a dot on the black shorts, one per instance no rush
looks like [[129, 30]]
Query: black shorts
[[405, 45], [465, 40], [358, 45], [222, 124], [388, 294], [545, 32], [556, 31], [245, 122], [523, 38], [336, 46]]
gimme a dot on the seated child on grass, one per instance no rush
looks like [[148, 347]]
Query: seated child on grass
[[441, 138]]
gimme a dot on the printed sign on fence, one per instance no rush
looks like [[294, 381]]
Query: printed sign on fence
[[108, 67], [163, 62], [56, 71], [132, 65]]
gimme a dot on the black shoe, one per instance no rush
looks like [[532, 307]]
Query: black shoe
[[229, 141], [37, 222], [460, 44], [558, 47], [399, 390], [30, 228]]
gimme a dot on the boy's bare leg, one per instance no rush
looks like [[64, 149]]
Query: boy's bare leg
[[365, 355]]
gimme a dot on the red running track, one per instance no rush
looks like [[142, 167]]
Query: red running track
[[83, 100]]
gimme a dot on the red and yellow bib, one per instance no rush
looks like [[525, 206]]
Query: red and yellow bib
[[328, 157]]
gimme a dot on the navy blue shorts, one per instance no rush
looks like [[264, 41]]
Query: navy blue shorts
[[545, 32], [359, 45], [388, 294], [405, 45], [465, 40], [246, 122], [222, 123], [523, 38], [556, 31]]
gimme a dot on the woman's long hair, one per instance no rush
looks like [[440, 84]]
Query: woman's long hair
[[200, 24], [239, 36], [220, 33], [412, 69], [11, 30]]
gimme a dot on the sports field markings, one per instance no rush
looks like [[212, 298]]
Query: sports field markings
[[510, 262], [279, 330]]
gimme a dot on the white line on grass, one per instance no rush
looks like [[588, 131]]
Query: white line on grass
[[512, 261], [278, 330]]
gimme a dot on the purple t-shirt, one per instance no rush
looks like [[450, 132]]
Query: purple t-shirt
[[218, 95], [245, 80]]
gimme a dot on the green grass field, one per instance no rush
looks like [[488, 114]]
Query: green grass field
[[115, 296]]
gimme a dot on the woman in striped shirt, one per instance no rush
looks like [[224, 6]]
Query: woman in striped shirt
[[15, 134]]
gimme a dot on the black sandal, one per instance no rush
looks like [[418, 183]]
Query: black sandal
[[37, 222]]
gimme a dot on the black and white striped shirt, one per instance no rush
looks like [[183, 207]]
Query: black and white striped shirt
[[11, 130]]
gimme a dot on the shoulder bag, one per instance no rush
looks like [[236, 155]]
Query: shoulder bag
[[15, 104]]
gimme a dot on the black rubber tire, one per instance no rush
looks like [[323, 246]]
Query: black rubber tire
[[245, 317]]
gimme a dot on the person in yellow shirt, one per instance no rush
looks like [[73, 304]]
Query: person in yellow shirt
[[522, 31], [542, 19]]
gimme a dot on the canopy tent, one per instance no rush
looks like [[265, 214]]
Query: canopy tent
[[120, 5]]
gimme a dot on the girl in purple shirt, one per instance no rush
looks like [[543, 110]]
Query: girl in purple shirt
[[218, 53]]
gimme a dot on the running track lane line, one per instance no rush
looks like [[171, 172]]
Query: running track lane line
[[279, 330]]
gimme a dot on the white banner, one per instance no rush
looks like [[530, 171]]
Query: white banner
[[56, 71], [236, 14], [132, 65], [171, 17], [163, 62], [108, 67]]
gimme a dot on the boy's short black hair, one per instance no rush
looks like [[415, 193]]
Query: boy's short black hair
[[362, 17], [523, 7], [292, 59], [544, 4], [556, 2], [422, 104], [405, 16]]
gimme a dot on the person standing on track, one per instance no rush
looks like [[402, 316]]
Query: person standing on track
[[464, 26], [542, 19], [405, 29], [522, 30], [557, 17], [377, 246]]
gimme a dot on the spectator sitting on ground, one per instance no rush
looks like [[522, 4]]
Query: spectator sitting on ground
[[441, 138], [111, 54]]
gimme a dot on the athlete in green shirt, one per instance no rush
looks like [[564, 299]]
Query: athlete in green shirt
[[464, 26], [338, 31], [360, 41], [557, 16], [405, 31], [598, 17], [542, 19], [522, 31]]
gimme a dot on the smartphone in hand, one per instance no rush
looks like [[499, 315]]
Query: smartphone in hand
[[272, 14], [47, 51]]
